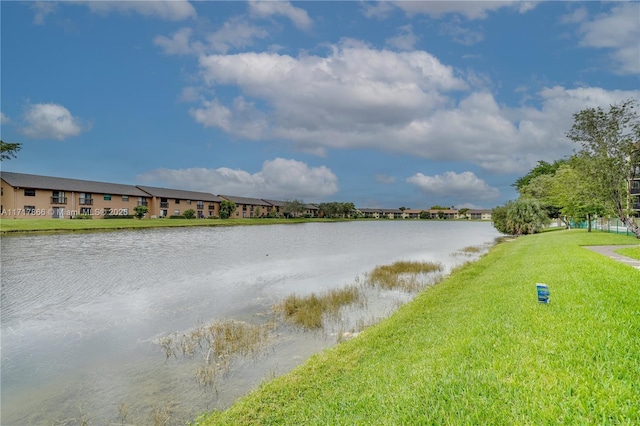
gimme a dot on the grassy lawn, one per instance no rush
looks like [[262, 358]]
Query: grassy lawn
[[479, 349], [633, 252], [56, 225]]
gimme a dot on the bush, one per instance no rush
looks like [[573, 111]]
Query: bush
[[176, 216], [120, 216], [213, 217], [189, 214], [82, 216]]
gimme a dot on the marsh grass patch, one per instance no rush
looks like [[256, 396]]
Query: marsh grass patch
[[309, 311], [404, 275], [218, 343]]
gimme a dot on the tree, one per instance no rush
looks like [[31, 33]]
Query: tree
[[610, 155], [463, 212], [424, 215], [140, 211], [8, 150], [227, 208], [542, 169], [189, 214], [437, 207], [520, 217], [293, 208]]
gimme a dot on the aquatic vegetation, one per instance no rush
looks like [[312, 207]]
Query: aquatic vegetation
[[218, 343], [403, 275], [309, 311]]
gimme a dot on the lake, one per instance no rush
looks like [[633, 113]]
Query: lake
[[82, 313]]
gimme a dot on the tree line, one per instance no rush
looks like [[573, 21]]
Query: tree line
[[595, 181]]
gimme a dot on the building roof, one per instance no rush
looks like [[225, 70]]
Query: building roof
[[179, 194], [276, 203], [246, 200], [21, 180]]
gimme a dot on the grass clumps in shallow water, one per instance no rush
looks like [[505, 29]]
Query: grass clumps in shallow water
[[309, 311], [402, 275], [218, 343]]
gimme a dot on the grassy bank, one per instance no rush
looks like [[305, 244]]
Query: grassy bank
[[632, 252], [8, 226], [478, 349]]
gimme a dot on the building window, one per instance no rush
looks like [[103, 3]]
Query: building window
[[188, 202], [85, 210], [29, 209], [177, 201], [143, 202], [107, 197], [57, 197], [125, 198], [85, 199], [200, 215], [29, 192], [176, 212], [200, 204], [635, 184], [163, 213]]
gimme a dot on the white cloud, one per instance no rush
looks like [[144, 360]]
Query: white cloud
[[279, 179], [360, 97], [460, 33], [468, 9], [177, 44], [619, 31], [4, 119], [42, 9], [380, 10], [264, 9], [452, 185], [235, 33], [405, 40], [171, 10], [50, 121]]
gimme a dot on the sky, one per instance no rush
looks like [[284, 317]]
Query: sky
[[383, 104]]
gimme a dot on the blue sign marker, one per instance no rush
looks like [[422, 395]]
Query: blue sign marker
[[543, 293]]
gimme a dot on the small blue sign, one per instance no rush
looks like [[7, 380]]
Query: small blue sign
[[543, 293]]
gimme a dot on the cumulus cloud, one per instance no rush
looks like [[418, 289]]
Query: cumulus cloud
[[50, 121], [452, 185], [617, 31], [279, 179], [173, 10], [264, 9], [405, 40], [406, 102], [235, 33], [468, 9], [178, 44]]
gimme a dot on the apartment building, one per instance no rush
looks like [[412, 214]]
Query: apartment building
[[247, 207], [26, 196], [166, 202]]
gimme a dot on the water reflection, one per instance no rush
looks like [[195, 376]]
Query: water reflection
[[80, 312]]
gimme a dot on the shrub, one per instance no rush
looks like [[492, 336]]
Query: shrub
[[189, 214], [120, 216], [177, 216], [82, 216]]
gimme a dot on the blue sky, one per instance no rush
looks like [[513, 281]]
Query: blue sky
[[384, 104]]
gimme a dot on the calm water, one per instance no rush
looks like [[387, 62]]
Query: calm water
[[80, 312]]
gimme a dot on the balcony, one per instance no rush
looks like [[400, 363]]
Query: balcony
[[164, 205], [86, 201], [144, 203], [58, 200]]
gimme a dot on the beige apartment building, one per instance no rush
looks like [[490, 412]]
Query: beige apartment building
[[247, 207], [25, 196], [166, 202]]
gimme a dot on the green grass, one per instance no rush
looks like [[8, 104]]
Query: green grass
[[479, 349], [57, 225], [633, 252]]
